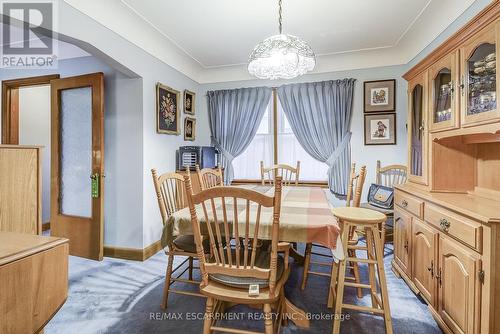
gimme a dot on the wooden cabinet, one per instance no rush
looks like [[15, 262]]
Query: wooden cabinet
[[443, 102], [402, 236], [20, 189], [424, 259], [417, 128], [33, 281], [452, 197], [459, 287], [479, 77]]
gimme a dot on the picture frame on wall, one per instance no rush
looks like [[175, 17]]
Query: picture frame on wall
[[189, 102], [380, 129], [379, 96], [167, 110], [189, 128]]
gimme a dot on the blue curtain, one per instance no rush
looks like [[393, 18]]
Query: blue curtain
[[320, 115], [234, 117]]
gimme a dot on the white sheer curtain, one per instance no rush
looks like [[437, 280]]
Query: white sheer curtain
[[247, 165], [290, 151]]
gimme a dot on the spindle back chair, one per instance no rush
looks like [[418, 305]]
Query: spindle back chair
[[231, 217], [391, 175], [171, 195], [289, 175], [210, 177]]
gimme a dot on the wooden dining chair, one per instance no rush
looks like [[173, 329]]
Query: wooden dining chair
[[353, 198], [171, 195], [210, 177], [232, 270], [289, 175], [387, 176]]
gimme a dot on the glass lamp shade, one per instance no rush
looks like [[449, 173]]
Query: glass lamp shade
[[281, 57]]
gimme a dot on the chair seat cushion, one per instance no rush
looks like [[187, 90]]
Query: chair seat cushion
[[187, 244], [262, 261]]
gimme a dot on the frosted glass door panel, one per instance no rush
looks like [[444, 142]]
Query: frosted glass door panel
[[76, 152]]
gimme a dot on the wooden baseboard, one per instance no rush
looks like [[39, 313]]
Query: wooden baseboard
[[135, 254]]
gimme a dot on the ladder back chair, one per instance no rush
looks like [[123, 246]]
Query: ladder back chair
[[210, 177], [289, 175], [171, 194], [388, 176], [354, 191], [237, 260]]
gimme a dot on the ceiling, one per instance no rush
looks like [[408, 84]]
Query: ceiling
[[224, 32], [217, 36]]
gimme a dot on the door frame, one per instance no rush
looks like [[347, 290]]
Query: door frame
[[10, 104]]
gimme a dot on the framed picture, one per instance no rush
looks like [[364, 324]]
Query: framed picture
[[379, 95], [380, 129], [167, 110], [189, 128], [189, 102]]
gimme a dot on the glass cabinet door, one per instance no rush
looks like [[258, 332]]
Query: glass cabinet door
[[417, 132], [443, 92], [479, 79]]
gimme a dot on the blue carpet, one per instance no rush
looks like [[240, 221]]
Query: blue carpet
[[119, 296]]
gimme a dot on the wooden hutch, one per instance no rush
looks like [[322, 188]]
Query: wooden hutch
[[447, 217]]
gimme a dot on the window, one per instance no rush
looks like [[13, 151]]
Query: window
[[247, 165]]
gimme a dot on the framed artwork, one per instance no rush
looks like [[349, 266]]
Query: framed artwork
[[380, 129], [379, 95], [189, 102], [167, 110], [189, 128]]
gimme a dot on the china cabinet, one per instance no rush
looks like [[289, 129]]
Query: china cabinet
[[479, 78], [417, 128], [443, 92], [447, 216]]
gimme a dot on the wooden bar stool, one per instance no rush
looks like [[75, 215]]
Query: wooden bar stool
[[351, 218]]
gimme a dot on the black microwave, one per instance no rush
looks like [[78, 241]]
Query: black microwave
[[190, 156]]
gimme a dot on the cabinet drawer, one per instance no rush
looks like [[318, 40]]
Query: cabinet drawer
[[463, 229], [410, 204]]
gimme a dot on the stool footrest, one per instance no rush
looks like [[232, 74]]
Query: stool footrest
[[320, 263], [363, 308], [318, 273], [357, 247], [358, 285], [355, 259]]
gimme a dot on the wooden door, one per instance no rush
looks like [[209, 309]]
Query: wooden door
[[78, 163], [443, 92], [424, 255], [402, 237], [479, 77], [417, 129], [459, 287]]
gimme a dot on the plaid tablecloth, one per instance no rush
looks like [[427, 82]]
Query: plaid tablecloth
[[306, 216]]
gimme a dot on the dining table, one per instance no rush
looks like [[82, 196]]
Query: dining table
[[306, 217]]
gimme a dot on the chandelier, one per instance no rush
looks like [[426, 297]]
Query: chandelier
[[281, 56]]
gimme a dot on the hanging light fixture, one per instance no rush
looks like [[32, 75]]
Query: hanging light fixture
[[281, 56]]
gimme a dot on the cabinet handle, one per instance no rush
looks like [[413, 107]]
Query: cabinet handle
[[452, 89], [404, 203], [406, 246], [438, 277], [445, 224], [398, 219], [431, 268]]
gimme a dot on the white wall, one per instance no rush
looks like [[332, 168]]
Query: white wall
[[361, 154], [34, 129]]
